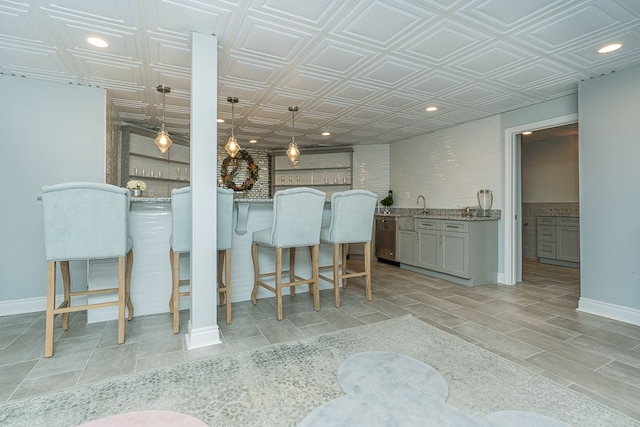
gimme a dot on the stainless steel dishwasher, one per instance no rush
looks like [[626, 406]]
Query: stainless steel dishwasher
[[386, 238]]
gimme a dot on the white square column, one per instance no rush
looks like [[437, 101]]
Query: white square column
[[203, 326]]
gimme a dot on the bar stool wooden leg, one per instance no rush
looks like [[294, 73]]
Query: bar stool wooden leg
[[224, 288], [221, 286], [227, 282], [175, 292], [367, 269], [336, 274], [292, 271], [66, 285], [314, 276], [345, 251], [128, 284], [256, 272], [121, 297], [51, 303], [279, 314]]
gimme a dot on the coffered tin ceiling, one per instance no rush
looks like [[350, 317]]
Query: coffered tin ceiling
[[363, 70]]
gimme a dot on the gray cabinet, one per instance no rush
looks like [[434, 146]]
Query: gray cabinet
[[465, 250], [429, 252], [407, 246], [559, 241], [455, 248]]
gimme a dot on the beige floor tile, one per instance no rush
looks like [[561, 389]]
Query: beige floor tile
[[524, 323], [494, 340], [563, 349]]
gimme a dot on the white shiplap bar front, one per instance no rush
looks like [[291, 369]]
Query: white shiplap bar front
[[150, 228]]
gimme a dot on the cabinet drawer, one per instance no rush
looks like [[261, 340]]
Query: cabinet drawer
[[546, 250], [566, 221], [428, 224], [461, 226], [546, 220], [546, 233]]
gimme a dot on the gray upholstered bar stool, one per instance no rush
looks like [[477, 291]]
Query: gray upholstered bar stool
[[224, 238], [180, 243], [84, 221], [351, 222], [297, 218]]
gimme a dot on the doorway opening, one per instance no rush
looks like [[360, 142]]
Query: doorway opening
[[513, 225]]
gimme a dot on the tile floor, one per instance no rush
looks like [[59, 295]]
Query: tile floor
[[533, 324]]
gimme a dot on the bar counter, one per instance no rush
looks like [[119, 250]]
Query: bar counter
[[150, 229]]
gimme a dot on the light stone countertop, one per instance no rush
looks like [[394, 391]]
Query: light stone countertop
[[449, 214]]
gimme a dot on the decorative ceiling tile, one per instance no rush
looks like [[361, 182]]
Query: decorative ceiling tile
[[444, 40], [508, 13], [579, 24], [492, 59], [364, 23], [336, 58], [365, 70]]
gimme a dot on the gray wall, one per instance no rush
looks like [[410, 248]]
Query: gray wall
[[609, 108], [550, 170], [51, 133]]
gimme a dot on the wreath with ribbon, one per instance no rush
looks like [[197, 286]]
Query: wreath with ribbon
[[231, 167]]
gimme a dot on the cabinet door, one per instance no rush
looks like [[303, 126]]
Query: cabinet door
[[406, 246], [547, 250], [568, 243], [428, 249], [455, 254]]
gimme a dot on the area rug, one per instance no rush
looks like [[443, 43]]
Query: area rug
[[281, 384], [392, 389]]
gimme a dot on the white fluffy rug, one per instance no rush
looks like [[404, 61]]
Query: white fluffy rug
[[280, 385], [391, 389]]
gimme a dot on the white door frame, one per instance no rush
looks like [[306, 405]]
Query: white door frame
[[512, 222]]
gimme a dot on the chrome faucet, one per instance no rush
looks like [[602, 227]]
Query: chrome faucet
[[424, 203]]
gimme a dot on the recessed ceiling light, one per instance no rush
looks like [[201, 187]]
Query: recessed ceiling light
[[528, 132], [610, 48], [326, 133], [97, 42], [253, 141], [220, 121], [432, 108]]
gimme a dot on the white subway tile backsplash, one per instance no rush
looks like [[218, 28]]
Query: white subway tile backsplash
[[371, 168], [448, 167]]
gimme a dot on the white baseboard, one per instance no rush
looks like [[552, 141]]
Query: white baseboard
[[25, 305], [610, 311], [202, 337], [30, 305]]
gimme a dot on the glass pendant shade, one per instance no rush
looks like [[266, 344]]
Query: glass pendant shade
[[163, 141], [293, 152], [232, 145]]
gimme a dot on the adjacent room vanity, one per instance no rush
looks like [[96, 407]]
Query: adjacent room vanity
[[559, 240]]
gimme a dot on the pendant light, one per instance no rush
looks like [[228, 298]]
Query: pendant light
[[293, 151], [163, 141], [232, 145]]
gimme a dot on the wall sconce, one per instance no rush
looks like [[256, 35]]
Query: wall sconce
[[163, 141]]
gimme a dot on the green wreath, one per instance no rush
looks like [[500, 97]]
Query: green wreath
[[230, 167]]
